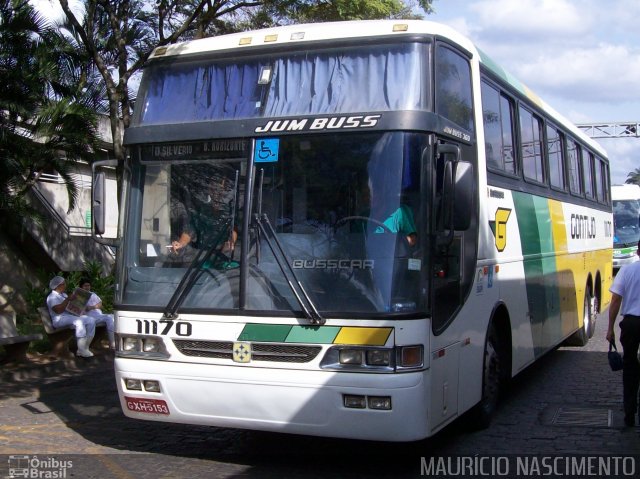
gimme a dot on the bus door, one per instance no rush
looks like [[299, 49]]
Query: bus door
[[453, 185], [454, 217], [452, 201]]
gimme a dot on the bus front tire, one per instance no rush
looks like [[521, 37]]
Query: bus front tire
[[492, 381]]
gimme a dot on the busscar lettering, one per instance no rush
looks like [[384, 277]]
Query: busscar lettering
[[332, 263], [320, 123]]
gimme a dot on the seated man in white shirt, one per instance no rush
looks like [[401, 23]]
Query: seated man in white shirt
[[94, 309], [85, 326]]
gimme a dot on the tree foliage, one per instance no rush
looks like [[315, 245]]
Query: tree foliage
[[633, 177], [310, 11], [120, 35], [47, 119]]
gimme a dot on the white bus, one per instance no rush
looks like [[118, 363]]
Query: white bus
[[626, 224], [356, 230]]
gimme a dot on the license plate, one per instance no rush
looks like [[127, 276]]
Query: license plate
[[152, 406]]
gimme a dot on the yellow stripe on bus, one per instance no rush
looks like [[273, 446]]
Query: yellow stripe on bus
[[568, 268], [363, 336]]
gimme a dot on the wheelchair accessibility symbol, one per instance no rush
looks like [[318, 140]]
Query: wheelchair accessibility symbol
[[266, 150]]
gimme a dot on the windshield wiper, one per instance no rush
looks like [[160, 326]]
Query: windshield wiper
[[196, 267], [311, 312]]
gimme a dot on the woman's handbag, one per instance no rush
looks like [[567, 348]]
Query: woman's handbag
[[615, 359]]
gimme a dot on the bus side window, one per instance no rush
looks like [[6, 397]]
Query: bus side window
[[531, 147], [453, 87], [498, 111], [573, 154]]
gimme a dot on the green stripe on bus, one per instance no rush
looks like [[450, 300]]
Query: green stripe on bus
[[267, 333], [313, 334], [502, 73], [536, 237]]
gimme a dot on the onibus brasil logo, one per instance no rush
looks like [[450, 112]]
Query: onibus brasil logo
[[35, 467]]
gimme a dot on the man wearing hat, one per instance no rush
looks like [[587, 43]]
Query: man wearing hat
[[57, 302]]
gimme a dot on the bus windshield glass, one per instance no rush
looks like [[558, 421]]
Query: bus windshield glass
[[347, 79], [340, 214], [626, 221]]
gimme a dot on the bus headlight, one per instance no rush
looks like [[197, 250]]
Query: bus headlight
[[350, 356], [379, 402], [371, 359], [147, 347], [151, 345], [133, 384], [378, 357], [131, 343], [151, 386]]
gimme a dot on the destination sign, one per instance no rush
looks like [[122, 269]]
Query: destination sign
[[210, 149]]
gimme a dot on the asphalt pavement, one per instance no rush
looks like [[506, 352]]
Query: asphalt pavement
[[568, 403]]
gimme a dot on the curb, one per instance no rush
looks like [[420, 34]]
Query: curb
[[31, 370]]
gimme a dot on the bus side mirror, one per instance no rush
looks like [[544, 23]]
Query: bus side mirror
[[463, 202], [458, 191], [98, 201], [98, 198]]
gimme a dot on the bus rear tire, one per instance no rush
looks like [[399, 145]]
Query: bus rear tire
[[492, 381], [582, 336]]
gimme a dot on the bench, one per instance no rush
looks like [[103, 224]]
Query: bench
[[60, 338], [15, 345]]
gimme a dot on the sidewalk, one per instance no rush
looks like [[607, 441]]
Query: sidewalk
[[42, 366]]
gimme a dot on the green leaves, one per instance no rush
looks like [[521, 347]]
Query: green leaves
[[47, 119], [633, 177]]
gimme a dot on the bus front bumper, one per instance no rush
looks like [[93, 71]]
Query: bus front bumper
[[279, 400]]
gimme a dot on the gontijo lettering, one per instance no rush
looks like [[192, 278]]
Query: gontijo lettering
[[583, 227]]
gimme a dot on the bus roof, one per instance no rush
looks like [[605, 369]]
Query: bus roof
[[315, 32], [625, 192], [536, 100]]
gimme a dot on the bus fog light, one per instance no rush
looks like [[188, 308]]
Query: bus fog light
[[133, 384], [379, 402], [152, 386], [350, 356], [354, 402], [151, 345], [378, 357], [130, 344], [411, 356]]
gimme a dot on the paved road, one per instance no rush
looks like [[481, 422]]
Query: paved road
[[568, 403]]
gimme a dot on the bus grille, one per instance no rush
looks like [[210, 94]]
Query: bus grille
[[259, 351]]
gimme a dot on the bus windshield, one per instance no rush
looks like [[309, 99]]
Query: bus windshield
[[626, 221], [346, 210]]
